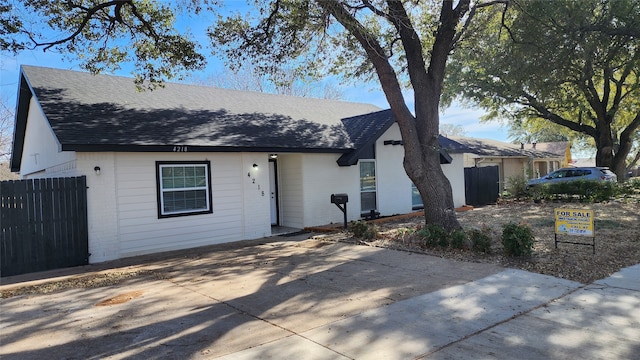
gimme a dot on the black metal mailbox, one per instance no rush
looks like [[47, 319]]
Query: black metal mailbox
[[341, 201], [339, 198]]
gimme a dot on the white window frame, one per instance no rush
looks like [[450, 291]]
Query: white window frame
[[374, 191], [161, 190]]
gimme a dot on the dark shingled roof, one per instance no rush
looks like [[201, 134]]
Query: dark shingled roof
[[85, 109], [364, 130], [107, 113], [493, 148]]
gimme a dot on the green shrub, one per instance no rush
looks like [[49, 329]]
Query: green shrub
[[517, 239], [433, 235], [590, 190], [361, 229], [516, 186], [425, 236], [458, 239], [480, 240], [627, 188]]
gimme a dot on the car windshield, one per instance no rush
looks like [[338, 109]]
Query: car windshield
[[558, 174]]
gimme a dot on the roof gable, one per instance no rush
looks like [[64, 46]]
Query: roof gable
[[364, 130]]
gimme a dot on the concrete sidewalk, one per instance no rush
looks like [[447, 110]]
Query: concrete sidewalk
[[311, 299]]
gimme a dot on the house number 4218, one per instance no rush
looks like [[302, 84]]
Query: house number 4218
[[179, 149]]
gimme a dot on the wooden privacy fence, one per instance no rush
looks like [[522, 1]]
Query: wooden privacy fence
[[44, 224], [481, 185]]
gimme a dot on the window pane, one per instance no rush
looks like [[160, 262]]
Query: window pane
[[178, 182], [367, 176], [416, 200], [184, 189], [367, 201], [167, 183], [175, 201]]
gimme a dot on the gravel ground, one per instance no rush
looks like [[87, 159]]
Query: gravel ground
[[617, 238]]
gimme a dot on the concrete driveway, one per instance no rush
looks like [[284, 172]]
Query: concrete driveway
[[308, 299]]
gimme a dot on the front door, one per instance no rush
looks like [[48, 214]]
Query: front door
[[273, 191]]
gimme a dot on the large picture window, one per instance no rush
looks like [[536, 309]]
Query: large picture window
[[184, 188]]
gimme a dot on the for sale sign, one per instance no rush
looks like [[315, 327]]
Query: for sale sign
[[574, 222]]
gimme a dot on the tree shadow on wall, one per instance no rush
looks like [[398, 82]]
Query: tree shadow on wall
[[76, 123]]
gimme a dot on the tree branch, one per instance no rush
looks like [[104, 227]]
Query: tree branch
[[545, 113], [472, 13], [87, 17], [620, 83], [626, 137]]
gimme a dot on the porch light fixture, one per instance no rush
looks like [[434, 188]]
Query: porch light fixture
[[97, 170], [273, 156], [255, 166]]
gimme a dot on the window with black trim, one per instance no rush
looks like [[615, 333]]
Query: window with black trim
[[184, 188], [367, 185]]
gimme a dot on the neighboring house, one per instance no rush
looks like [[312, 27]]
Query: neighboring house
[[512, 160], [186, 166], [542, 167], [5, 172]]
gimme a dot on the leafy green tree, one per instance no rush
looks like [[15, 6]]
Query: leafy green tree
[[103, 35], [537, 130], [399, 43], [575, 64]]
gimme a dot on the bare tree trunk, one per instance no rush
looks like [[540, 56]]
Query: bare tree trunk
[[606, 152], [419, 133]]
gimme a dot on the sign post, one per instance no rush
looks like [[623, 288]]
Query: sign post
[[578, 222]]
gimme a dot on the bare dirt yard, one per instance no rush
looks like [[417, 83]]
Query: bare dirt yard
[[617, 238]]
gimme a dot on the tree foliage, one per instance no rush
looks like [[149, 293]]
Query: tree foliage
[[103, 35], [537, 130], [575, 64]]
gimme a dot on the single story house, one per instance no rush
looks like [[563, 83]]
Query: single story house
[[542, 167], [185, 166], [512, 160]]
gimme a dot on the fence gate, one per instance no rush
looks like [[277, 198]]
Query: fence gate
[[481, 185], [44, 224]]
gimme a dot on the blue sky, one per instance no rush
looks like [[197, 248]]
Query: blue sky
[[468, 119]]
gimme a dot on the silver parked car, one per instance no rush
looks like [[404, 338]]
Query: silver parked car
[[573, 174]]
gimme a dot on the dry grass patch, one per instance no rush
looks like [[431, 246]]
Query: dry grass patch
[[617, 229]]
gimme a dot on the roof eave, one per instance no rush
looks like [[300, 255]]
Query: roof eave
[[352, 157], [22, 112], [194, 148]]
